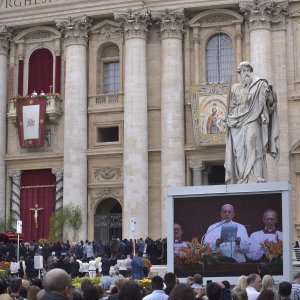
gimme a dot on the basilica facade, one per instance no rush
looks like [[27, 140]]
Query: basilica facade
[[120, 79]]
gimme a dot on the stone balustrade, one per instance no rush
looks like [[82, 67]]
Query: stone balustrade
[[106, 101], [53, 108]]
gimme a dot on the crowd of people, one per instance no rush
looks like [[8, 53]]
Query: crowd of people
[[57, 285]]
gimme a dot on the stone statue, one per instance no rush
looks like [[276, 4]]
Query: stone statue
[[252, 128]]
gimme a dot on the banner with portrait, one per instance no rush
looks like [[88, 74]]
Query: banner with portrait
[[208, 104]]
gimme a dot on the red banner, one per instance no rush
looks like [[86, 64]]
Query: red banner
[[31, 119]]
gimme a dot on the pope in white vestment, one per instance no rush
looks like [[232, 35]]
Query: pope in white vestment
[[235, 249]]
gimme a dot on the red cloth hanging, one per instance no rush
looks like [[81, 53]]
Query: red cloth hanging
[[40, 71], [37, 187], [41, 119], [57, 73], [20, 78]]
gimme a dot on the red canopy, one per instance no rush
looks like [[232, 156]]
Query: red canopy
[[10, 236]]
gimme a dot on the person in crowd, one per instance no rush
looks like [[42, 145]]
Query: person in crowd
[[295, 294], [74, 267], [241, 283], [267, 295], [239, 294], [122, 265], [32, 292], [146, 265], [267, 283], [57, 283], [182, 292], [197, 281], [137, 266], [170, 282], [92, 268], [15, 286], [253, 286], [130, 291], [158, 293], [284, 290], [128, 265], [3, 286], [178, 242], [190, 280], [118, 285], [269, 232], [217, 291], [235, 249], [90, 293]]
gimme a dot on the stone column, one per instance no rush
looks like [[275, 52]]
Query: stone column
[[5, 37], [196, 42], [260, 17], [197, 168], [15, 176], [59, 187], [75, 114], [135, 151], [172, 105]]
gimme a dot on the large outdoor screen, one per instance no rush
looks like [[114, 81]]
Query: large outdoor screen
[[221, 249]]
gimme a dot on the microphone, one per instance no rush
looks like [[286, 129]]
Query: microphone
[[218, 225]]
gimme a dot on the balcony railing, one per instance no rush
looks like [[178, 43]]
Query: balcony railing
[[53, 108], [106, 101]]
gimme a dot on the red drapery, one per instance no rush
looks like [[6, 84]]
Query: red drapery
[[40, 71], [20, 78], [42, 121], [57, 74], [37, 188]]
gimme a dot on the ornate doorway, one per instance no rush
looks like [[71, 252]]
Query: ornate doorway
[[108, 220]]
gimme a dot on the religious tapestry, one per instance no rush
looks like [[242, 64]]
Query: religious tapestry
[[208, 104], [37, 202], [31, 119]]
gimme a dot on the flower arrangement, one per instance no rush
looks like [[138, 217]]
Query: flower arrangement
[[272, 249], [146, 283], [77, 280], [272, 256], [196, 253], [4, 269]]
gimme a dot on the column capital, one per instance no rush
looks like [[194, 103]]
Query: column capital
[[135, 22], [5, 38], [197, 165], [262, 14], [15, 174], [58, 172], [75, 30], [171, 21]]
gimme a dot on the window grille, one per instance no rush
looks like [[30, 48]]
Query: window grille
[[111, 77]]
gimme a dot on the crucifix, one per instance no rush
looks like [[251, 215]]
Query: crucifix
[[36, 210]]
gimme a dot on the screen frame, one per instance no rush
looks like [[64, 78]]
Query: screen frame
[[199, 192]]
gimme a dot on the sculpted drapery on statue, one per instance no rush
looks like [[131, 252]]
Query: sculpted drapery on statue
[[252, 128]]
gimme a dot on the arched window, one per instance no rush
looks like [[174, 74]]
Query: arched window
[[218, 58], [40, 71]]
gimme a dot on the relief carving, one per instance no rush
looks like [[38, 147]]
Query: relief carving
[[218, 19], [5, 38], [107, 173]]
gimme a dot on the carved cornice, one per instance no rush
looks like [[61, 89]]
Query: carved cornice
[[108, 192], [5, 38], [264, 13], [197, 165], [75, 30], [107, 173], [135, 22], [15, 174], [171, 22]]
